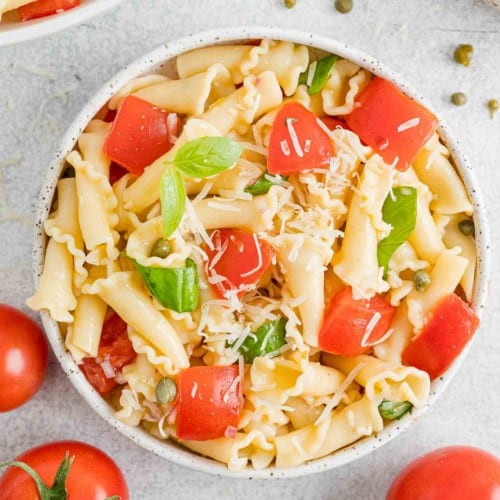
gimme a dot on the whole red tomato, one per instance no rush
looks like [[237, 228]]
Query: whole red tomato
[[453, 473], [93, 475], [23, 358]]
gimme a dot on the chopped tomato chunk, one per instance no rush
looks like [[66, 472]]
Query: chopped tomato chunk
[[140, 134], [209, 401], [394, 125], [352, 326], [333, 122], [116, 173], [297, 141], [237, 261], [115, 349], [42, 8], [443, 338]]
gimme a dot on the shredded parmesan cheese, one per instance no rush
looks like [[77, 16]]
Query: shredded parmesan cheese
[[231, 388], [310, 73], [337, 397], [293, 136], [369, 328], [259, 258], [194, 390], [413, 122], [285, 148], [222, 206]]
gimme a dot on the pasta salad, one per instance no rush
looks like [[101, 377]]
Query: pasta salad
[[264, 258]]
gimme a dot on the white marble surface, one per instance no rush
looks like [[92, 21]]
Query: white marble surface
[[416, 38]]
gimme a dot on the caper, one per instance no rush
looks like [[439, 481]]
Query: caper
[[466, 227], [290, 3], [421, 280], [343, 6], [493, 107], [161, 248], [165, 391], [463, 54], [458, 98], [68, 172]]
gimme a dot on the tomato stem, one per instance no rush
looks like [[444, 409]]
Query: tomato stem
[[58, 489]]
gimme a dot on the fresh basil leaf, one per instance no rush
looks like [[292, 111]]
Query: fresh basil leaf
[[394, 411], [173, 200], [322, 69], [174, 288], [207, 156], [400, 211], [265, 340], [263, 184]]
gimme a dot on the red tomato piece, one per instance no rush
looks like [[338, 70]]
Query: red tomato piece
[[43, 8], [452, 473], [297, 141], [209, 401], [394, 125], [116, 173], [348, 323], [241, 258], [115, 348], [23, 358], [140, 134], [332, 123], [443, 338], [93, 475]]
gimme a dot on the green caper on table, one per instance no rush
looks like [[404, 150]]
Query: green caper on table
[[343, 6], [463, 54], [458, 98], [493, 107]]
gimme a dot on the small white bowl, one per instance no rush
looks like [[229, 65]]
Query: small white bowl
[[16, 32], [155, 61]]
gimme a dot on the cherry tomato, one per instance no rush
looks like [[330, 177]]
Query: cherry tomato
[[43, 8], [23, 358], [394, 125], [209, 401], [241, 258], [93, 475], [139, 135], [115, 348], [443, 338], [348, 321], [297, 141], [453, 473]]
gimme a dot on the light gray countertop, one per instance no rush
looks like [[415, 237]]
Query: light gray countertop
[[414, 37]]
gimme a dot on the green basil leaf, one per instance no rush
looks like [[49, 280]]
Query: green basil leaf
[[265, 340], [173, 200], [263, 184], [322, 69], [174, 288], [207, 156], [394, 411], [400, 211]]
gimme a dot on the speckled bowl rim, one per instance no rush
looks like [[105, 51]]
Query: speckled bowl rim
[[154, 61], [21, 32]]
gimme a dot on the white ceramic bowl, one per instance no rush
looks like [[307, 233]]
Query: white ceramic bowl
[[155, 61], [15, 32]]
